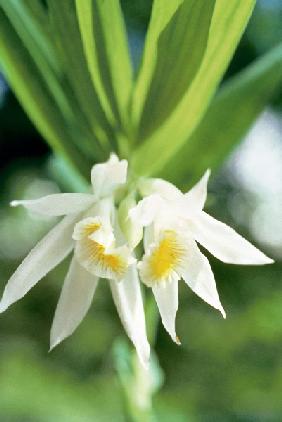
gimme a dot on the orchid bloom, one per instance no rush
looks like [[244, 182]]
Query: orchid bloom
[[103, 229], [174, 223], [90, 227]]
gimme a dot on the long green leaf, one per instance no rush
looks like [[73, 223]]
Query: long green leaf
[[162, 13], [34, 96], [67, 35], [172, 56], [29, 20], [228, 118], [228, 23], [32, 32], [106, 49]]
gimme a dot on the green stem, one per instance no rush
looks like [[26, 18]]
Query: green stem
[[139, 383]]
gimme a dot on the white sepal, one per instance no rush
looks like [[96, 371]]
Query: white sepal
[[46, 255], [166, 295], [196, 197], [146, 210], [128, 300], [106, 177], [197, 273], [225, 244], [75, 299], [58, 204], [161, 187]]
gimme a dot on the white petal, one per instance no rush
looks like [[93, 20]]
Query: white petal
[[198, 274], [225, 244], [103, 208], [75, 299], [48, 253], [106, 177], [166, 295], [196, 197], [161, 187], [146, 210], [128, 300], [58, 203]]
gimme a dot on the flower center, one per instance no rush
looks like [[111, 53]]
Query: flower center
[[90, 228], [166, 256], [97, 255], [95, 249]]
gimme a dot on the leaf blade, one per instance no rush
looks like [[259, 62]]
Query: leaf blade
[[228, 118], [66, 32], [107, 54], [177, 52], [33, 34], [32, 93], [29, 20], [228, 22], [162, 13]]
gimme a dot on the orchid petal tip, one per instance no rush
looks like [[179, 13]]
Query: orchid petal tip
[[3, 308], [53, 344], [14, 203], [177, 341]]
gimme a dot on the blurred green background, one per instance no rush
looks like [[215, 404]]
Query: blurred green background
[[225, 370]]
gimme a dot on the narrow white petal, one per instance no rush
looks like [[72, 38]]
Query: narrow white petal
[[196, 197], [128, 300], [48, 253], [146, 210], [75, 299], [166, 295], [161, 187], [225, 244], [58, 204], [106, 177], [198, 274]]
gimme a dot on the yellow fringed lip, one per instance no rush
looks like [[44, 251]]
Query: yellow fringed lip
[[163, 260], [95, 249]]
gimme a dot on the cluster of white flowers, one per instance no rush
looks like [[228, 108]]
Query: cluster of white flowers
[[103, 229]]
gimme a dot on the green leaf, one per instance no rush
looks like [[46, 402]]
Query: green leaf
[[228, 23], [31, 27], [68, 39], [161, 15], [34, 96], [30, 21], [106, 49], [173, 53], [228, 118]]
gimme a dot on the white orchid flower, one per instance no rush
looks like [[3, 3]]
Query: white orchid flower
[[174, 222], [90, 228]]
